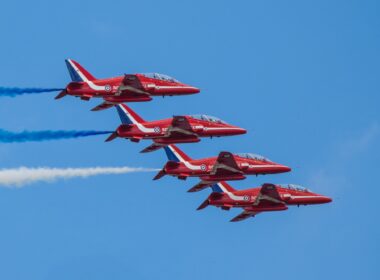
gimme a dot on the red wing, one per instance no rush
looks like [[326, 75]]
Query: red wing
[[152, 148], [268, 196], [180, 128], [244, 215], [200, 186], [131, 85], [225, 164], [103, 106]]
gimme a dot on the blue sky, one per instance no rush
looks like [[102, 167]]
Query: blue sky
[[301, 76]]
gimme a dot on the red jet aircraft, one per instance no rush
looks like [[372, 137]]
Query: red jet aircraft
[[127, 88], [225, 167], [179, 129], [268, 197]]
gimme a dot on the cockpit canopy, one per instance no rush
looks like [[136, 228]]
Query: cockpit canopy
[[253, 156], [294, 187], [208, 118], [161, 77]]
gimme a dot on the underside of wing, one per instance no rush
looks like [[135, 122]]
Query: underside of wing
[[103, 106], [244, 215], [200, 186], [152, 148]]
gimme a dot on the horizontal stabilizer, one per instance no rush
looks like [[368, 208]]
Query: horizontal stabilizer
[[63, 93], [113, 136], [204, 204], [160, 174]]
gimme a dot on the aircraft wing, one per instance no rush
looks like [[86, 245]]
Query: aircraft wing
[[152, 148], [103, 106], [200, 186], [180, 127], [131, 85], [225, 165], [268, 196], [244, 215]]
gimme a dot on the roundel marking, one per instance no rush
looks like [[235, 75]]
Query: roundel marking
[[246, 198], [203, 167], [107, 88], [157, 129]]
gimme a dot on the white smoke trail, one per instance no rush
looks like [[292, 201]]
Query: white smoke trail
[[18, 177]]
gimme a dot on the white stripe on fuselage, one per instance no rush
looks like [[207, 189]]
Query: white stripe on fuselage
[[186, 163], [219, 128], [134, 121], [230, 195], [304, 196], [83, 77], [173, 87], [259, 166]]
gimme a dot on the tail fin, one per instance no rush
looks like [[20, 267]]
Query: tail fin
[[77, 72], [127, 115], [175, 154], [222, 187]]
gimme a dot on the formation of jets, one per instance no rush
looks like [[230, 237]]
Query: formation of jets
[[212, 172]]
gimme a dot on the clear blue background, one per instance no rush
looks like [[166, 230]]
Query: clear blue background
[[303, 78]]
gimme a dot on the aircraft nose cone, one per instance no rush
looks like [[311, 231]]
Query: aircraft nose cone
[[240, 130], [284, 168], [325, 199], [194, 90], [235, 130]]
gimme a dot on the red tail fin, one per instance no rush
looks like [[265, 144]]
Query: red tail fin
[[175, 154], [77, 72], [127, 115]]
